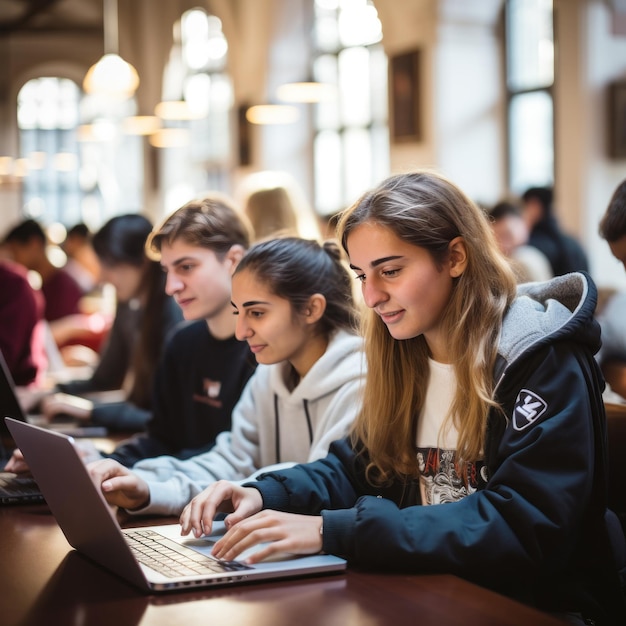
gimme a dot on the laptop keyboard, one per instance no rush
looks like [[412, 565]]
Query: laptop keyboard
[[17, 487], [173, 559]]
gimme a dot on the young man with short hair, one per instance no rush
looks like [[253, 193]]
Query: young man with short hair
[[204, 368]]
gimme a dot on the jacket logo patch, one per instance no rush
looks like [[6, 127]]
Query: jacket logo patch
[[529, 407]]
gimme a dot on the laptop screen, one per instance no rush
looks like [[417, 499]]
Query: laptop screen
[[9, 404]]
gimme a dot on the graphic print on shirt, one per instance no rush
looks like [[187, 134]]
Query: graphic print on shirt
[[211, 394], [440, 479], [529, 407]]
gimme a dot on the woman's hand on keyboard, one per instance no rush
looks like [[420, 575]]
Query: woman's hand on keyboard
[[65, 404], [220, 497], [119, 485], [16, 463], [278, 532]]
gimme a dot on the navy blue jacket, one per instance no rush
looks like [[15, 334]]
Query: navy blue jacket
[[536, 531]]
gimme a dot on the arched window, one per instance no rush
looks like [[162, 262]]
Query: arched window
[[529, 79], [48, 115], [196, 108], [111, 159], [80, 165], [351, 146]]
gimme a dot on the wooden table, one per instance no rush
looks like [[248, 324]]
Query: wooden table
[[45, 582]]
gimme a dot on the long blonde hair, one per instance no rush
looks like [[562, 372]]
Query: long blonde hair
[[276, 206], [426, 210]]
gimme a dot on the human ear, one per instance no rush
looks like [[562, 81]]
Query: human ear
[[233, 256], [315, 308], [458, 256]]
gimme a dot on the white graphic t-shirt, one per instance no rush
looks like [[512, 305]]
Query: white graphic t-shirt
[[440, 480]]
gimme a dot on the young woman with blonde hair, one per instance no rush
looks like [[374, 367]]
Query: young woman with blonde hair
[[479, 448]]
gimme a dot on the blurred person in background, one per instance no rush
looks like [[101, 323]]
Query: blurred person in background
[[21, 325], [276, 205], [511, 231], [27, 245], [67, 324], [82, 261], [612, 318], [143, 318], [563, 251]]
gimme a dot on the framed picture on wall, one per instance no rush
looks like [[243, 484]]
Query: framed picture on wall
[[617, 120], [404, 90]]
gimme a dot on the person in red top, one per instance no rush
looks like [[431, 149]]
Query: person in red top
[[21, 325], [26, 244]]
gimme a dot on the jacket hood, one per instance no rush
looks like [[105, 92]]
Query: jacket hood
[[343, 361], [559, 309]]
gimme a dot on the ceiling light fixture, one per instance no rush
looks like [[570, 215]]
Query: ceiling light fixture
[[141, 124], [111, 76], [170, 138], [272, 114], [307, 92], [176, 110]]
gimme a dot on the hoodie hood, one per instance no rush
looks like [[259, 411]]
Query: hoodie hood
[[559, 309], [343, 362]]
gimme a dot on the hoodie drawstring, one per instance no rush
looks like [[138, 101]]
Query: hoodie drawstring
[[276, 428], [308, 420]]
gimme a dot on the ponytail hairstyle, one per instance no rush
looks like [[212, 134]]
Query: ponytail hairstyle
[[426, 210], [295, 269]]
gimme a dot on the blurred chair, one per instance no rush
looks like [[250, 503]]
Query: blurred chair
[[616, 433]]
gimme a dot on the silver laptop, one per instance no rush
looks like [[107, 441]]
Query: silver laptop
[[14, 489], [11, 406], [18, 488], [153, 558]]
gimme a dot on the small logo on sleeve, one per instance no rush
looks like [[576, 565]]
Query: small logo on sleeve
[[529, 407]]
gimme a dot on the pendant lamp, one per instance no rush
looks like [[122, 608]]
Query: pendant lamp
[[111, 76]]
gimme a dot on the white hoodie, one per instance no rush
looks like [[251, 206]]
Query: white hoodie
[[270, 425]]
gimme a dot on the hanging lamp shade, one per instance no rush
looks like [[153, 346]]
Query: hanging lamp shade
[[269, 114], [111, 76], [306, 91]]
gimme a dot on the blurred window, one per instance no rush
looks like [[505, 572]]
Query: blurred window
[[77, 164], [48, 117], [351, 145], [530, 79], [200, 153]]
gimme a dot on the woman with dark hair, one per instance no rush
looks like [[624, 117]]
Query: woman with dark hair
[[293, 304], [143, 318]]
